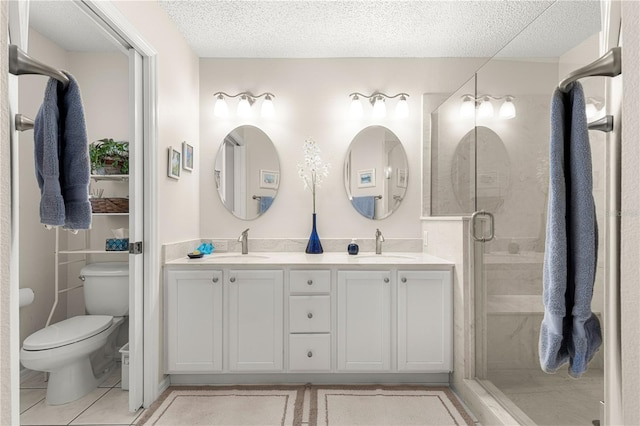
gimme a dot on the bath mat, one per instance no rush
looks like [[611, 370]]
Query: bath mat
[[227, 405], [385, 405]]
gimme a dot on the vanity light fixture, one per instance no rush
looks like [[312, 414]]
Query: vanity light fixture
[[485, 106], [247, 99], [378, 100]]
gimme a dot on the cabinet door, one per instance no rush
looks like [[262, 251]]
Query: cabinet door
[[425, 317], [255, 320], [194, 321], [364, 306]]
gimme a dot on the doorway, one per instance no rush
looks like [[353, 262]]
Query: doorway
[[140, 130]]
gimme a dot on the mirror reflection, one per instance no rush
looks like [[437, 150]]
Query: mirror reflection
[[492, 171], [247, 172], [376, 172]]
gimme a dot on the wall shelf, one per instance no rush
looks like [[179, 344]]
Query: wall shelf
[[110, 177], [91, 251]]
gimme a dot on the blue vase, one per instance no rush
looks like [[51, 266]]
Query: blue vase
[[314, 246]]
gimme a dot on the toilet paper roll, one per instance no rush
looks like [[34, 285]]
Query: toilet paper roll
[[26, 297]]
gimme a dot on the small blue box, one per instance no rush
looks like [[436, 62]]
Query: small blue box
[[117, 244]]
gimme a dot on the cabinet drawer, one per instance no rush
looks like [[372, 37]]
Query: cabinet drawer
[[309, 314], [309, 352], [310, 281]]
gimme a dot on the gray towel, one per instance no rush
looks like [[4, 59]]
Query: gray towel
[[570, 332], [62, 158], [265, 203], [366, 206]]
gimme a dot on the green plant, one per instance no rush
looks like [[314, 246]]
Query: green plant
[[107, 152]]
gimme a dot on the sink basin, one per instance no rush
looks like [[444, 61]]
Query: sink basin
[[237, 256], [384, 256]]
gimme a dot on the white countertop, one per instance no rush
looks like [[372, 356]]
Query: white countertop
[[324, 259]]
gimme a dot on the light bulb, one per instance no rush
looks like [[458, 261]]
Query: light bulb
[[486, 109], [468, 108], [244, 108], [402, 107], [508, 109], [355, 110], [220, 109], [379, 108], [267, 110]]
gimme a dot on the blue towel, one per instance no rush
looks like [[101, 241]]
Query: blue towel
[[366, 206], [62, 158], [265, 203], [570, 332]]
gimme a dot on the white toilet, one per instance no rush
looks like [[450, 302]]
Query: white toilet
[[64, 349]]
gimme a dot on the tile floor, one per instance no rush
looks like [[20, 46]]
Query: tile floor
[[107, 405]]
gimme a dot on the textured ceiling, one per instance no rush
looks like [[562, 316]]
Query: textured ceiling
[[334, 29], [320, 29]]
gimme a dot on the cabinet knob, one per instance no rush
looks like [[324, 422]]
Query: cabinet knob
[[309, 282], [309, 315], [309, 354], [403, 279], [232, 279], [386, 279], [215, 279]]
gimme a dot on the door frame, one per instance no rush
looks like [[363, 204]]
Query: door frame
[[112, 21]]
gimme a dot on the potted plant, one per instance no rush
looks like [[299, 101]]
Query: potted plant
[[109, 157]]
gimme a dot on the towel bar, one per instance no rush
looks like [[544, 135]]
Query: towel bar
[[23, 123], [609, 65], [21, 63], [605, 124]]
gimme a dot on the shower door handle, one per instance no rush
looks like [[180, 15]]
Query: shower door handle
[[482, 238]]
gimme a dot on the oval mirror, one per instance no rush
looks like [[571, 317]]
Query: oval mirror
[[489, 186], [247, 172], [376, 172]]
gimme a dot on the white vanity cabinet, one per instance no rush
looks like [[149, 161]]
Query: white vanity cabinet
[[425, 321], [255, 320], [310, 320], [364, 320], [193, 301]]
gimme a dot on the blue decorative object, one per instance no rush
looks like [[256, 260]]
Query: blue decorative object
[[353, 247], [117, 244], [314, 246]]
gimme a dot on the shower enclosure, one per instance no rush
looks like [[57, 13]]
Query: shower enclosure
[[492, 159]]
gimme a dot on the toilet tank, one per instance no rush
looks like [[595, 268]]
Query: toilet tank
[[106, 288]]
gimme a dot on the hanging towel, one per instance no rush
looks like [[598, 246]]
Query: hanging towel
[[62, 158], [570, 332], [366, 206], [265, 203]]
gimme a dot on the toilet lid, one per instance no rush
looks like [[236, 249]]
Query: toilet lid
[[68, 331]]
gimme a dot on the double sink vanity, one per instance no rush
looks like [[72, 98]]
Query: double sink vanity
[[308, 316]]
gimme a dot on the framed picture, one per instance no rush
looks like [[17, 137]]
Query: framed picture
[[174, 163], [366, 178], [187, 156], [402, 178], [269, 179]]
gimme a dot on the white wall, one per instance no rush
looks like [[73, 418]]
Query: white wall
[[178, 79], [311, 101]]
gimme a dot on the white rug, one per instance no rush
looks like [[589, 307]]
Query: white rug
[[227, 405], [385, 405]]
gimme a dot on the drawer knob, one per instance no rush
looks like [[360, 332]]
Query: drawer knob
[[309, 354], [215, 279], [232, 279], [403, 279], [386, 279], [309, 282], [309, 315]]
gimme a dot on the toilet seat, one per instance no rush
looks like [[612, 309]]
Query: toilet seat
[[66, 332]]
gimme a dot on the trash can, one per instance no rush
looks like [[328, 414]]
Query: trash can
[[124, 351]]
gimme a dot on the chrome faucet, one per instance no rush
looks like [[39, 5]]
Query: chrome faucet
[[244, 239], [379, 240]]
